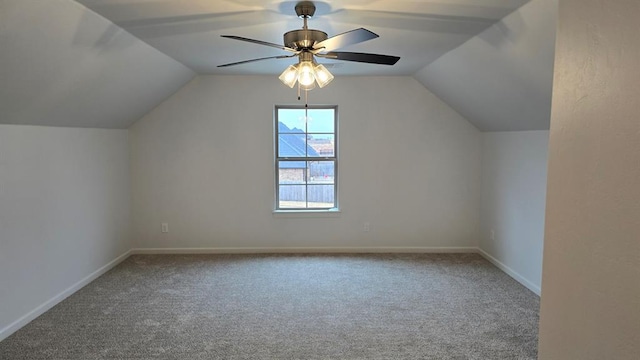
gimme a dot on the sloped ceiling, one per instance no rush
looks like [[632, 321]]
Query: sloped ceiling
[[189, 30], [501, 80], [63, 65], [106, 63]]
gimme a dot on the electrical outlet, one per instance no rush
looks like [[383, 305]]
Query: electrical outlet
[[492, 235], [366, 227], [165, 227]]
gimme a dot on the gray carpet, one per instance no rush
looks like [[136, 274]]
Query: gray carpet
[[384, 306]]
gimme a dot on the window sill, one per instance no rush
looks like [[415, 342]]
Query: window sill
[[331, 213]]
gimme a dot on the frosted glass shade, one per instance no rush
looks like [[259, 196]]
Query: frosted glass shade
[[323, 76], [289, 76]]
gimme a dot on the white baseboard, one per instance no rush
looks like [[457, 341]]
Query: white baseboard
[[295, 250], [509, 271], [27, 318]]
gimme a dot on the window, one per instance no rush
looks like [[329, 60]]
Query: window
[[306, 156]]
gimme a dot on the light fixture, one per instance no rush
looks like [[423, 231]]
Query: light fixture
[[289, 76], [307, 73], [323, 76]]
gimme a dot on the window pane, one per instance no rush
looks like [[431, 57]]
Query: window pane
[[321, 172], [292, 197], [292, 172], [291, 120], [320, 121], [320, 196], [322, 144], [293, 145], [306, 158]]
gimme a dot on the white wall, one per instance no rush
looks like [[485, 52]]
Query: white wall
[[590, 305], [64, 213], [514, 182], [203, 162], [501, 79]]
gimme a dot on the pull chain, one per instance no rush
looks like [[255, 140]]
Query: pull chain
[[306, 96], [306, 116]]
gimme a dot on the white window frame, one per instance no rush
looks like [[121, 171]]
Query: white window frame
[[333, 158]]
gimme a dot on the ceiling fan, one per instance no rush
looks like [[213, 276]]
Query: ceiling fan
[[308, 43]]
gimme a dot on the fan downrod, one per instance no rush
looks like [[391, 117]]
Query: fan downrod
[[305, 38]]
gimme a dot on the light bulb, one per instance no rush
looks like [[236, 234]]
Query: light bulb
[[308, 87], [306, 74]]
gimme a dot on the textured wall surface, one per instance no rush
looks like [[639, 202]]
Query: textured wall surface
[[64, 211], [203, 162], [514, 184], [590, 305]]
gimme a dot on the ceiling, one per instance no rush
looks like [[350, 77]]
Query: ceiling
[[502, 79], [189, 30], [109, 64], [64, 65]]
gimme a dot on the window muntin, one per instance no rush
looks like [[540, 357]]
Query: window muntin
[[306, 160]]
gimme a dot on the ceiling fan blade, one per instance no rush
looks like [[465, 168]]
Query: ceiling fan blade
[[260, 42], [361, 57], [345, 39], [252, 60], [420, 22]]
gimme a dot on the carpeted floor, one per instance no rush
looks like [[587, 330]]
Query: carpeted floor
[[383, 306]]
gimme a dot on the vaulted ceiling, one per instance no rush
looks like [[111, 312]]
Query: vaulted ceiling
[[63, 65], [189, 31], [501, 80], [105, 63]]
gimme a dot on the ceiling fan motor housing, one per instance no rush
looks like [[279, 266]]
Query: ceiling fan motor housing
[[303, 38]]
